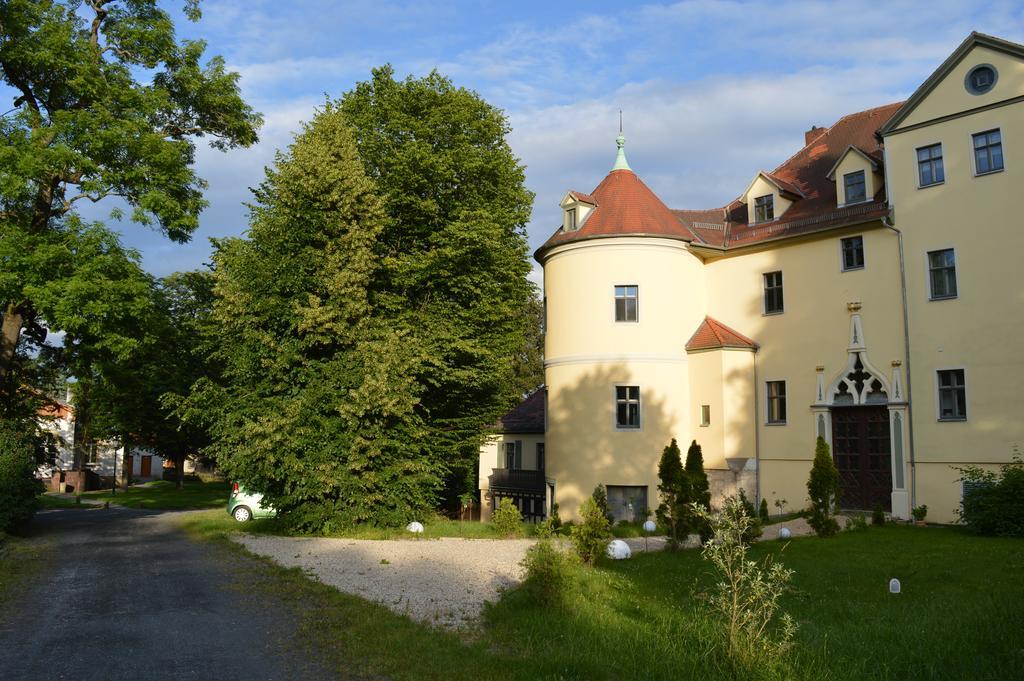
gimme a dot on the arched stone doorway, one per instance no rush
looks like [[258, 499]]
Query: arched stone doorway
[[860, 414]]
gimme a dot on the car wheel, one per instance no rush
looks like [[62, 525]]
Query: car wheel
[[242, 514]]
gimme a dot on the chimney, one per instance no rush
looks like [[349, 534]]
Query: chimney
[[812, 134]]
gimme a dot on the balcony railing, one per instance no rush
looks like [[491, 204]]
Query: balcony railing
[[515, 480]]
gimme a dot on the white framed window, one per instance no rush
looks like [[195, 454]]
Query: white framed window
[[942, 274], [929, 165], [854, 187], [705, 415], [988, 152], [764, 208], [853, 253], [627, 299], [775, 402], [570, 219], [627, 407], [952, 394], [773, 302]]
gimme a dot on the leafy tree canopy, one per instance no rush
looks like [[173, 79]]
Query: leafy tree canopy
[[317, 406], [108, 103], [452, 249]]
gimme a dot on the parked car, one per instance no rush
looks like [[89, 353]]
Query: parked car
[[243, 506]]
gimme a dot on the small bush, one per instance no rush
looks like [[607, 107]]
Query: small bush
[[746, 598], [878, 515], [549, 573], [507, 520], [919, 512], [556, 520], [591, 536], [856, 522], [993, 504], [823, 489], [676, 493], [600, 497], [753, 528], [18, 485], [763, 511]]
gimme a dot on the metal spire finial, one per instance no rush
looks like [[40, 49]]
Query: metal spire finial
[[620, 159]]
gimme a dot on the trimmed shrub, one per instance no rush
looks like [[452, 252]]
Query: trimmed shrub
[[763, 511], [600, 497], [878, 515], [856, 522], [549, 573], [591, 536], [675, 493], [507, 520], [699, 490], [18, 485], [823, 489], [993, 503]]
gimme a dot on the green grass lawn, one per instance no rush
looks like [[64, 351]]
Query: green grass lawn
[[960, 616], [163, 495]]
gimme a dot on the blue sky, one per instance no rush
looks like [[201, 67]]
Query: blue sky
[[711, 91]]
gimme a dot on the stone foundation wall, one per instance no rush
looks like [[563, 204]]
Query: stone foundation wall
[[724, 483]]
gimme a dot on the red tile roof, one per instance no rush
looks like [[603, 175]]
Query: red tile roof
[[585, 198], [527, 417], [712, 334], [626, 206]]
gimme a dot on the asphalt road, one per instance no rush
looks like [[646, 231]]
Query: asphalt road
[[126, 595]]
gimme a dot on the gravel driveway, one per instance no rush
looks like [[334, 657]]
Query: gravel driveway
[[443, 582]]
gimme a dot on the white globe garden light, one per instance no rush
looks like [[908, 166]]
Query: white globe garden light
[[618, 550], [415, 527], [894, 586], [784, 533], [650, 527]]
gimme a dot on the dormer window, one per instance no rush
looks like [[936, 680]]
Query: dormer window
[[764, 208], [570, 219], [854, 187]]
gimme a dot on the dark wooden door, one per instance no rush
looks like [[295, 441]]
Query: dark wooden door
[[860, 448], [147, 467]]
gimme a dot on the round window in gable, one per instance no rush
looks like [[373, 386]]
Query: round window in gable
[[981, 79]]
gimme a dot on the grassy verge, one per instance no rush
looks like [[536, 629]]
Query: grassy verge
[[51, 501], [646, 617], [19, 559], [432, 529], [163, 495]]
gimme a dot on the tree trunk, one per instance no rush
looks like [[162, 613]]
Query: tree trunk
[[179, 469], [9, 334]]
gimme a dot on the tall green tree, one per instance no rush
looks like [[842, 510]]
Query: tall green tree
[[108, 103], [453, 251], [317, 405], [700, 489], [675, 492]]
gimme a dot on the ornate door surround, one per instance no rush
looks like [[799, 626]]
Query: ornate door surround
[[860, 383]]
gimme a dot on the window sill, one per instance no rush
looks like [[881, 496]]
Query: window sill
[[627, 429], [775, 423], [772, 314], [933, 184], [990, 172], [853, 269], [935, 298], [958, 419]]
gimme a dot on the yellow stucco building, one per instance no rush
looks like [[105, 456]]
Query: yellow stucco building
[[865, 290]]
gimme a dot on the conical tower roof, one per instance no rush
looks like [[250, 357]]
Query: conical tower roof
[[625, 207]]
